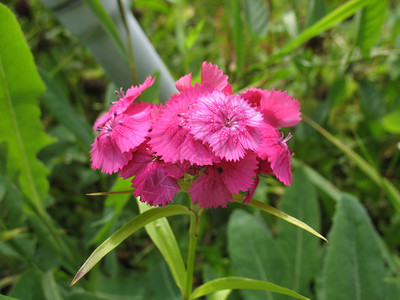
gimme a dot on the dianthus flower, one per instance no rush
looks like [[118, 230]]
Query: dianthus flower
[[222, 140]]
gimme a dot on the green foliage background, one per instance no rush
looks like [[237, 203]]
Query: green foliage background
[[340, 59]]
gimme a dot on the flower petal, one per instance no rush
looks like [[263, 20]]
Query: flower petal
[[278, 154], [106, 155], [209, 190], [184, 82], [211, 75], [279, 109]]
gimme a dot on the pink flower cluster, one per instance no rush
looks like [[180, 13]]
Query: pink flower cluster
[[223, 139]]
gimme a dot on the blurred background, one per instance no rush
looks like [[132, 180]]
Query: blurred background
[[340, 59]]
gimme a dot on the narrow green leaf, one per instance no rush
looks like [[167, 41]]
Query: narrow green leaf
[[231, 283], [116, 202], [108, 25], [371, 22], [50, 288], [316, 10], [20, 87], [124, 232], [354, 267], [10, 234], [163, 237], [301, 249], [255, 254], [57, 103], [391, 122], [392, 192], [338, 15], [237, 32], [256, 16], [194, 35], [280, 214], [319, 181]]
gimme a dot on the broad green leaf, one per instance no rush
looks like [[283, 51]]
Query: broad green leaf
[[231, 283], [108, 24], [166, 287], [338, 15], [370, 25], [237, 33], [20, 87], [256, 16], [28, 287], [392, 192], [316, 10], [391, 122], [125, 231], [255, 254], [280, 214], [354, 268], [163, 237], [50, 288], [301, 249], [115, 202], [57, 103]]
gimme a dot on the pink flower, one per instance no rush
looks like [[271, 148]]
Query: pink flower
[[171, 138], [211, 77], [155, 181], [218, 182], [227, 123], [274, 148], [278, 108], [123, 102], [120, 134]]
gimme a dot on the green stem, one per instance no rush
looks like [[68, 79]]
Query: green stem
[[193, 235]]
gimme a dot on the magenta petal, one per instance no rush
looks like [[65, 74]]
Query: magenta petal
[[123, 104], [253, 96], [171, 138], [249, 195], [184, 82], [142, 156], [279, 109], [275, 149], [106, 155], [238, 176], [154, 186], [133, 92], [209, 190], [211, 75], [227, 123]]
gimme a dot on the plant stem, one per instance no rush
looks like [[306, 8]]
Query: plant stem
[[193, 234]]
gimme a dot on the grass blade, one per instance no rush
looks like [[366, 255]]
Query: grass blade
[[392, 192], [231, 283], [125, 231], [163, 237], [338, 15]]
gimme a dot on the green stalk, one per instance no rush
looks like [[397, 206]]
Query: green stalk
[[193, 235]]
